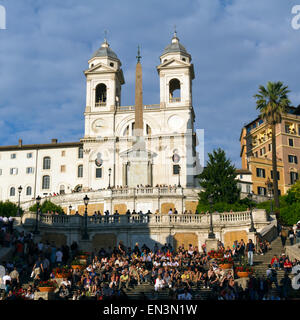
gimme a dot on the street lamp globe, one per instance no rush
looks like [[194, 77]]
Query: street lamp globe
[[38, 200]]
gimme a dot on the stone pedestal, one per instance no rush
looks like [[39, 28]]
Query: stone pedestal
[[44, 295], [242, 282], [211, 244], [86, 245]]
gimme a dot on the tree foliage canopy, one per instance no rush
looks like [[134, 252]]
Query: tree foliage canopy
[[47, 206], [218, 179], [9, 209]]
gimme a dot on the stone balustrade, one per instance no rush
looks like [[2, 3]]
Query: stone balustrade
[[115, 194], [151, 220]]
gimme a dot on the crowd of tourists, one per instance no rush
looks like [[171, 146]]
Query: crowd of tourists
[[184, 272]]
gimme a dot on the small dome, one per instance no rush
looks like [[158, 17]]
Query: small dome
[[175, 46], [105, 51]]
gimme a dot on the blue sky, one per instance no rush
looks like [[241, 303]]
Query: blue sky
[[235, 45]]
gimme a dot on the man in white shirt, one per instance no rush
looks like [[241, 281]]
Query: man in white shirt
[[159, 283], [5, 278], [170, 211]]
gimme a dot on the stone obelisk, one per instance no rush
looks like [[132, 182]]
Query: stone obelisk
[[138, 162], [138, 127]]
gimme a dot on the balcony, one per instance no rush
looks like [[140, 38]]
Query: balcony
[[174, 100], [100, 104]]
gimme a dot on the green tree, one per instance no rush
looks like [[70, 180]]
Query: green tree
[[47, 206], [9, 209], [272, 102], [219, 179]]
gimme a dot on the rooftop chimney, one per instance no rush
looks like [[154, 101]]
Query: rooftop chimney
[[53, 140], [20, 142]]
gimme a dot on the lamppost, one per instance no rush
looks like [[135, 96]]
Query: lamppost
[[85, 233], [70, 208], [19, 190], [252, 228], [269, 184], [38, 201], [179, 168], [109, 173], [211, 234]]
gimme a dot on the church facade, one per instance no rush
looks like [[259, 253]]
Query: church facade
[[123, 146]]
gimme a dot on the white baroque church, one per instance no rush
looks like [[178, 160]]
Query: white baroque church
[[104, 157]]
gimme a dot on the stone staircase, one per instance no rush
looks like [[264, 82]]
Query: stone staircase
[[261, 262], [147, 290]]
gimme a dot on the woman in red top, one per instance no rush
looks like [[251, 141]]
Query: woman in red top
[[287, 265]]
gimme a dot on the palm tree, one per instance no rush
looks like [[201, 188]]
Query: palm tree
[[272, 102]]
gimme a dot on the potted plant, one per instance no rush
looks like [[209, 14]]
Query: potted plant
[[77, 264], [225, 263], [63, 272], [47, 286], [243, 271], [215, 254], [83, 255]]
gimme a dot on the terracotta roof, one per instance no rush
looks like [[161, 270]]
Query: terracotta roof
[[41, 146]]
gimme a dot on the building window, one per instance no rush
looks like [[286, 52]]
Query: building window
[[262, 191], [12, 192], [13, 156], [62, 189], [80, 171], [28, 191], [80, 152], [29, 170], [63, 153], [174, 90], [13, 171], [46, 182], [101, 91], [256, 154], [0, 172], [278, 175], [291, 142], [46, 163], [248, 189], [270, 146], [262, 151], [29, 155], [98, 172], [260, 172], [293, 159], [294, 177], [176, 169], [287, 128], [63, 168]]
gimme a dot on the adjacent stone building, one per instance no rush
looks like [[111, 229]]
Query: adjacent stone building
[[256, 151]]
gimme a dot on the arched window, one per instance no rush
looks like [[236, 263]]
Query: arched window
[[80, 171], [80, 152], [62, 189], [12, 191], [46, 182], [101, 91], [46, 163], [129, 130], [28, 191], [174, 90]]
